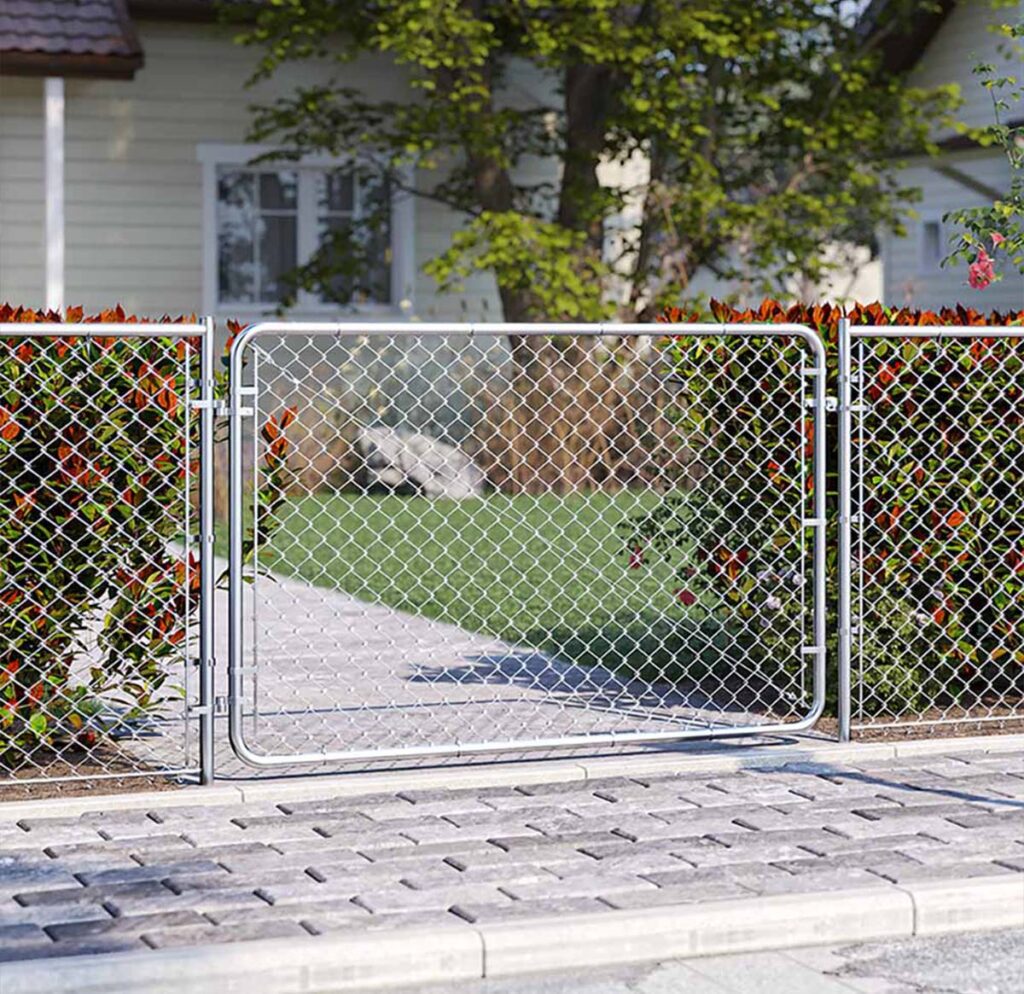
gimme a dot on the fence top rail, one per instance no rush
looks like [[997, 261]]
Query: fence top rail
[[497, 329], [153, 329], [368, 328], [935, 331]]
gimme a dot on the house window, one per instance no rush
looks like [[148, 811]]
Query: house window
[[263, 222], [931, 247]]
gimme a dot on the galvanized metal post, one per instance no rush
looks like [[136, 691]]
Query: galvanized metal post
[[844, 550], [206, 564], [235, 588]]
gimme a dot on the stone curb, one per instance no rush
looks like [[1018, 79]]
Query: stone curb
[[721, 758], [966, 905], [378, 960]]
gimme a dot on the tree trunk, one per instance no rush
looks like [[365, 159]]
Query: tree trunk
[[587, 103], [515, 306]]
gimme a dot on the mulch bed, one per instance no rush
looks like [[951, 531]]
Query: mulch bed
[[88, 764], [1006, 723]]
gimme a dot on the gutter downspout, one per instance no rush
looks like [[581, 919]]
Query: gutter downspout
[[53, 171]]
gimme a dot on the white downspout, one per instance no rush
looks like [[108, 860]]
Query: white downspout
[[53, 100]]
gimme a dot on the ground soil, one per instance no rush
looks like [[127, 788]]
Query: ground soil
[[87, 769], [955, 727]]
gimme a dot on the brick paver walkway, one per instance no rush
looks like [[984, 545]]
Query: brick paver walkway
[[163, 876]]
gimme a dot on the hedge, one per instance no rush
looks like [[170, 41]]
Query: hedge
[[99, 459], [942, 526]]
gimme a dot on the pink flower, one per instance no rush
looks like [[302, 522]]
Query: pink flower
[[997, 239], [636, 558], [981, 272], [686, 597]]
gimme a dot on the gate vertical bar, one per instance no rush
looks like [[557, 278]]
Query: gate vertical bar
[[206, 564], [844, 550], [821, 529], [236, 506]]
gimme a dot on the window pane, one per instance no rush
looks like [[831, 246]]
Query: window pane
[[361, 253], [278, 256], [236, 214], [335, 191], [374, 196], [336, 240], [278, 191], [378, 275]]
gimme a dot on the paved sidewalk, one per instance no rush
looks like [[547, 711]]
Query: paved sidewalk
[[331, 671], [977, 963], [155, 877]]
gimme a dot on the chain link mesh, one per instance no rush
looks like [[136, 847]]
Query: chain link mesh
[[464, 550], [937, 529], [98, 457]]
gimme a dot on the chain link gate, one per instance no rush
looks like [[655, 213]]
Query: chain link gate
[[500, 538], [106, 435], [931, 543]]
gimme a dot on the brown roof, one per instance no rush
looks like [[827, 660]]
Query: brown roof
[[68, 38]]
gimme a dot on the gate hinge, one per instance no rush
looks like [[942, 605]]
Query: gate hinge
[[831, 403], [219, 407], [220, 705]]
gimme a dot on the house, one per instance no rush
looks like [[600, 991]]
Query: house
[[125, 176], [944, 48]]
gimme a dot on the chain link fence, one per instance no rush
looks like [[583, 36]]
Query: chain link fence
[[478, 548], [458, 540], [936, 545], [99, 579]]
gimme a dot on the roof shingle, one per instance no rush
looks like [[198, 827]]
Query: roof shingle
[[68, 37]]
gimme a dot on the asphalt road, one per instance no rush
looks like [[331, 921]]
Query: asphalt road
[[978, 963]]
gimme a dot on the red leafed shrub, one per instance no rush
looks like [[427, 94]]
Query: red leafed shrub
[[99, 462], [939, 551]]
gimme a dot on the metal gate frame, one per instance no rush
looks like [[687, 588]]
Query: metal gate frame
[[238, 409], [848, 334]]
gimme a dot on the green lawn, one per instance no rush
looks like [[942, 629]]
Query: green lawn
[[547, 571]]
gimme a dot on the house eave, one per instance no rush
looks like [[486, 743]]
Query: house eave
[[202, 11], [15, 63]]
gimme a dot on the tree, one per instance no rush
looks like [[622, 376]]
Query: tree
[[750, 135]]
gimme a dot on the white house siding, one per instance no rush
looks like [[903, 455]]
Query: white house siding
[[962, 41], [21, 190], [906, 280], [134, 185]]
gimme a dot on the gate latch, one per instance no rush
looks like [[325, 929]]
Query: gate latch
[[831, 404]]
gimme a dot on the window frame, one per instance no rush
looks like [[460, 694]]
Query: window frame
[[213, 156]]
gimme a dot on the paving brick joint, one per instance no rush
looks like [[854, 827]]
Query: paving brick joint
[[153, 878]]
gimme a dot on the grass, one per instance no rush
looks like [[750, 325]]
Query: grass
[[546, 571]]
